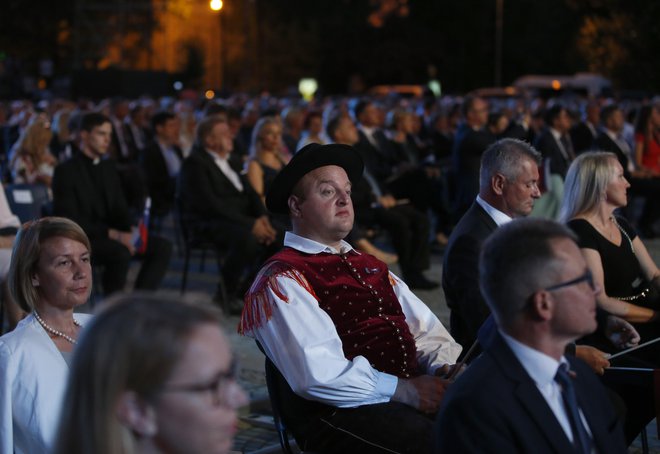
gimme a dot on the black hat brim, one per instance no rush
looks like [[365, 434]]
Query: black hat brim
[[304, 161]]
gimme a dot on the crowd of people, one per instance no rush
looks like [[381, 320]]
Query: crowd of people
[[285, 190]]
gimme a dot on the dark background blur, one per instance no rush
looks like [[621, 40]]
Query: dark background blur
[[58, 47]]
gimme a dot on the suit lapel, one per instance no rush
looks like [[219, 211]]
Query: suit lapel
[[488, 222], [218, 175], [529, 397]]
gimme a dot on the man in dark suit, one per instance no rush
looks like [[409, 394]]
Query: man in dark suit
[[554, 142], [220, 205], [87, 189], [519, 396], [508, 189], [161, 162], [584, 133], [374, 147], [471, 140]]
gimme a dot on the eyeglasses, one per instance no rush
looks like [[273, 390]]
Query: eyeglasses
[[219, 387], [586, 277]]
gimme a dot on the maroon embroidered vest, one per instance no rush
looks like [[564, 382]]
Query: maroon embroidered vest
[[355, 290]]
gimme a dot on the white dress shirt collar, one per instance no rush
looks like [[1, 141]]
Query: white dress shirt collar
[[499, 217], [541, 367], [225, 168], [308, 246]]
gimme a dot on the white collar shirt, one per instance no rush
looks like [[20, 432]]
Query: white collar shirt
[[226, 169], [497, 216], [542, 370]]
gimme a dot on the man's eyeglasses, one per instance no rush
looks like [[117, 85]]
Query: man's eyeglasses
[[219, 387], [586, 277]]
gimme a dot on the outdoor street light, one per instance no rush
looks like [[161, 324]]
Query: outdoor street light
[[215, 5]]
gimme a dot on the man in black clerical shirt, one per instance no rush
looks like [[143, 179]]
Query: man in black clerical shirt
[[88, 190]]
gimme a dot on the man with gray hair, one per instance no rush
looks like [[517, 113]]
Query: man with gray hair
[[522, 394], [508, 187]]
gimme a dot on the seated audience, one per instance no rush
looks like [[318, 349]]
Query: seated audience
[[50, 275], [554, 142], [617, 258], [522, 395], [32, 161], [265, 159], [87, 188], [642, 183], [166, 385], [9, 224], [647, 139], [359, 357], [161, 162], [220, 205], [313, 130], [470, 141], [407, 227]]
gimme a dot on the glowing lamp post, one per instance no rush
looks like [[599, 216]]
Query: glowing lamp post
[[307, 87]]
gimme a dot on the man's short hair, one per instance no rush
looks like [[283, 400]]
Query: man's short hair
[[552, 113], [360, 107], [517, 260], [607, 112], [505, 156], [333, 125], [468, 104], [160, 118], [205, 126], [91, 120]]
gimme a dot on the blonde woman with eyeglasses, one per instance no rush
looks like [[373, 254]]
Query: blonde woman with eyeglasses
[[152, 374]]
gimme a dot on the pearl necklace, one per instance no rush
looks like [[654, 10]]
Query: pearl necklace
[[54, 331]]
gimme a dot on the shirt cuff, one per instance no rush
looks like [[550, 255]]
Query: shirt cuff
[[386, 384]]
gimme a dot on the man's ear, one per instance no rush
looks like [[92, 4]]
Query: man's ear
[[497, 183], [136, 414], [542, 304], [294, 203]]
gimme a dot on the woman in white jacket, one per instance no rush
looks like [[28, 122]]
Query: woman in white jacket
[[50, 275]]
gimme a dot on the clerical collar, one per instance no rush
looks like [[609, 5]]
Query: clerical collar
[[92, 161]]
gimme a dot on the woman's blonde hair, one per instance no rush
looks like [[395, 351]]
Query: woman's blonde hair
[[27, 250], [132, 344], [34, 141], [255, 142], [586, 183]]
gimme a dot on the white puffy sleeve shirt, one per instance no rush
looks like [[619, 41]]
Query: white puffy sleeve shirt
[[303, 343], [33, 380]]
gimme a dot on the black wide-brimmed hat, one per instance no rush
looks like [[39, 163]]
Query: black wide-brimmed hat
[[311, 157]]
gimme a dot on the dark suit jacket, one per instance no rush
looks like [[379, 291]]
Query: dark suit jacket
[[469, 145], [379, 160], [582, 137], [603, 142], [75, 196], [460, 274], [160, 186], [495, 407], [547, 145], [208, 195]]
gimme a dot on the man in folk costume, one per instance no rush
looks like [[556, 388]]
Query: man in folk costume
[[359, 358]]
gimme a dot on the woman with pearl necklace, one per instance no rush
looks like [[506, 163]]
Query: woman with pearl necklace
[[50, 275]]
